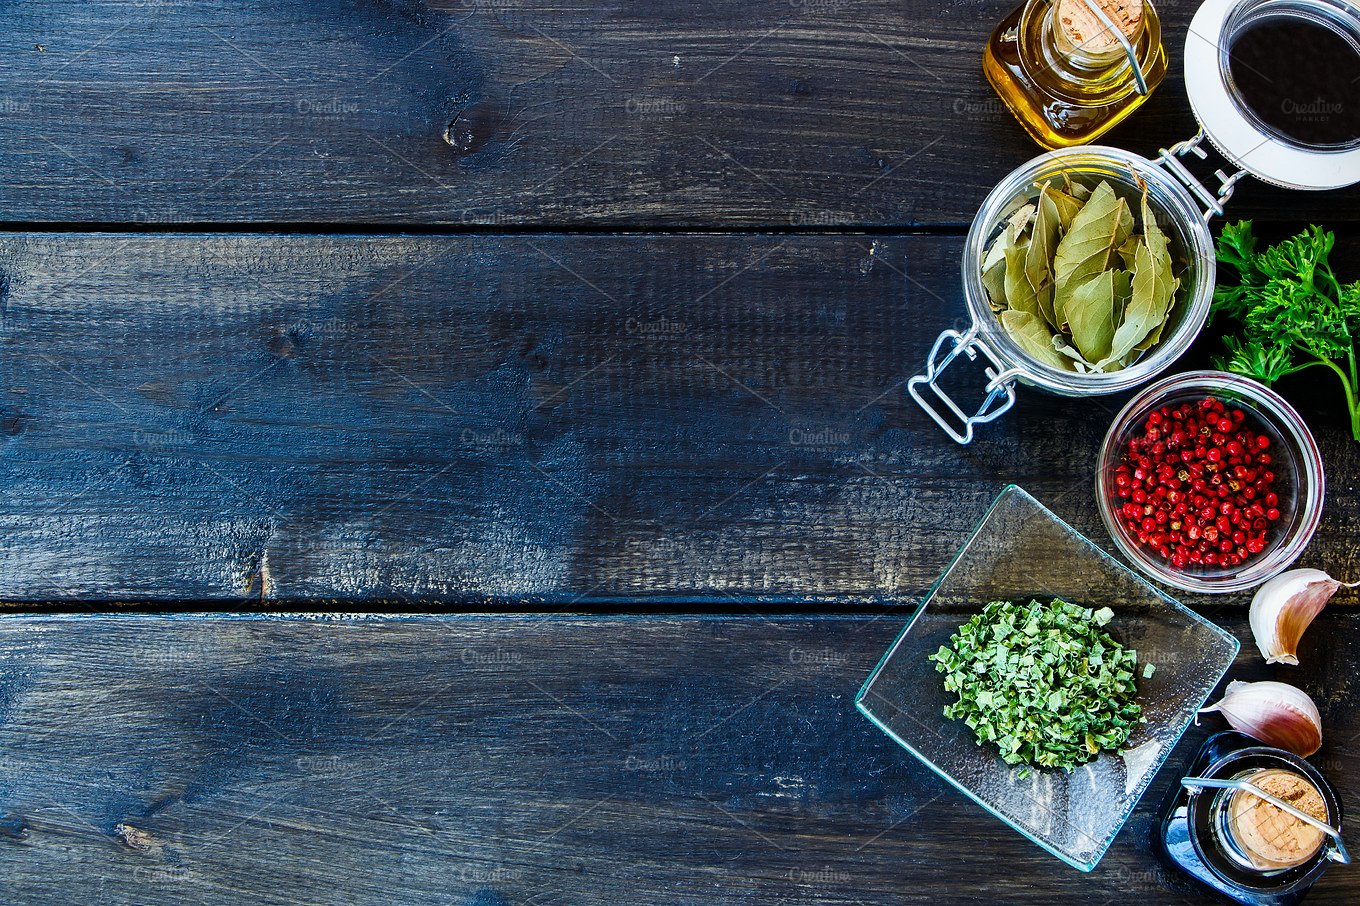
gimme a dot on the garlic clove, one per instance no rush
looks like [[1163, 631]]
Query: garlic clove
[[1282, 609], [1277, 714]]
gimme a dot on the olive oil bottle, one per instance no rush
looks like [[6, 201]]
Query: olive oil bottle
[[1067, 74]]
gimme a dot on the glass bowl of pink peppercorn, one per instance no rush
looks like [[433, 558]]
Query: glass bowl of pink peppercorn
[[1210, 482]]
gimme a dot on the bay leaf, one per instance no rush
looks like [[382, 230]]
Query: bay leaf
[[1068, 207], [1079, 191], [1045, 299], [1123, 296], [1102, 225], [1043, 241], [1123, 293], [1159, 244], [1128, 250], [1060, 296], [1020, 296], [1151, 340], [1062, 315], [996, 251], [1147, 308], [1010, 235], [1018, 222], [1156, 240], [1090, 314], [1123, 286], [1155, 336], [994, 281], [1031, 335], [1065, 348], [1068, 204]]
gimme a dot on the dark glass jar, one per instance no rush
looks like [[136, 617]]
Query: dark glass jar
[[1202, 833]]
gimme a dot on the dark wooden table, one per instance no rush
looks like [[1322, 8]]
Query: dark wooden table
[[456, 453]]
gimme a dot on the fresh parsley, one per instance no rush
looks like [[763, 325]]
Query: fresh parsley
[[1044, 682], [1289, 310]]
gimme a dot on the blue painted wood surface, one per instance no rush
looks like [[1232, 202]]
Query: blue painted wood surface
[[627, 113], [369, 319], [517, 760], [460, 422]]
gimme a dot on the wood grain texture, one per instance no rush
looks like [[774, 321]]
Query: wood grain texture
[[643, 422], [823, 113], [563, 420], [504, 761]]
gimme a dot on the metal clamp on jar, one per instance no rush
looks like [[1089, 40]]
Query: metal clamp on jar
[[1255, 141]]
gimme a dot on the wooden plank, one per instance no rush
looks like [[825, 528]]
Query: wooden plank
[[518, 760], [460, 420], [630, 112]]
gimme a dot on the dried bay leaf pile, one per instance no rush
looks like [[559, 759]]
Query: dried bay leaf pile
[[1075, 284]]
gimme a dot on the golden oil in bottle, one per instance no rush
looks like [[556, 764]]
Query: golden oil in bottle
[[1063, 72]]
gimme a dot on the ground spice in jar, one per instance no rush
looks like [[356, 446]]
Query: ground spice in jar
[[1270, 838], [1196, 486]]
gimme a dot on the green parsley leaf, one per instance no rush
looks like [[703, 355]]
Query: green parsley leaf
[[1289, 310]]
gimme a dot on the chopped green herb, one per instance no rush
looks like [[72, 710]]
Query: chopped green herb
[[1043, 682], [1148, 669]]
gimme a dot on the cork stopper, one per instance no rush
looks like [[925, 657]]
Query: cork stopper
[[1267, 836], [1081, 29]]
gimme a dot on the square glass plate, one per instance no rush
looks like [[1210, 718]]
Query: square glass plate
[[1021, 551]]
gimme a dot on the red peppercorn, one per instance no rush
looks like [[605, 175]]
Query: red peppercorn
[[1188, 490]]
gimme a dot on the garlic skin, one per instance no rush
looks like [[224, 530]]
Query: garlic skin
[[1282, 609], [1277, 714]]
